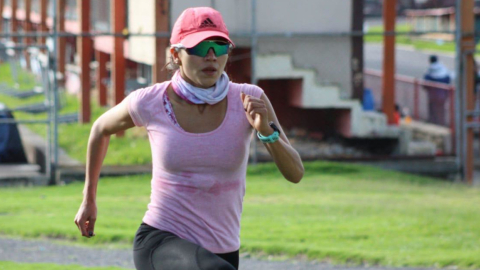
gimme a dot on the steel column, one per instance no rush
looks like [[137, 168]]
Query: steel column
[[13, 18], [101, 75], [465, 46], [452, 119], [357, 50], [43, 18], [54, 97], [253, 57], [416, 100], [2, 4], [162, 21], [388, 82], [60, 11], [118, 58], [469, 100], [458, 87], [85, 52], [27, 25]]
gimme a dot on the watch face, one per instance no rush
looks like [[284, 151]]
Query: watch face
[[274, 127]]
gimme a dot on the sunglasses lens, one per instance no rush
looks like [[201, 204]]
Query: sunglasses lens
[[202, 48]]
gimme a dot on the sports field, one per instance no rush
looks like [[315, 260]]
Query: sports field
[[339, 213]]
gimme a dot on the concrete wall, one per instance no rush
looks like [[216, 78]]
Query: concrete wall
[[277, 15], [328, 56], [141, 20]]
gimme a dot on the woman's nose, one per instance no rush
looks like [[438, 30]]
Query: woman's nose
[[211, 54]]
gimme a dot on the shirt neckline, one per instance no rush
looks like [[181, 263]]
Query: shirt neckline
[[182, 131]]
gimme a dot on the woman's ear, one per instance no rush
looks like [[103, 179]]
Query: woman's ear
[[175, 56]]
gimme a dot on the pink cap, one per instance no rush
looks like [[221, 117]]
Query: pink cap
[[197, 24]]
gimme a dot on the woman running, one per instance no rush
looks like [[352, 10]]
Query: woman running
[[199, 127]]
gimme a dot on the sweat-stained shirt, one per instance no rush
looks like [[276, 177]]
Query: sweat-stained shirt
[[198, 179]]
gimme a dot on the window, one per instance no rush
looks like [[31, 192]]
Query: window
[[100, 16]]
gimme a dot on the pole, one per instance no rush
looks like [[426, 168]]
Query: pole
[[416, 100], [465, 84], [28, 28], [162, 24], [459, 87], [43, 19], [84, 48], [118, 10], [452, 113], [54, 96], [60, 27], [468, 47], [2, 3], [357, 61], [388, 83], [13, 18], [253, 76], [102, 74]]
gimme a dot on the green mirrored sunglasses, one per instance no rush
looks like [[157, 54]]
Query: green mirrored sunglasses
[[202, 48]]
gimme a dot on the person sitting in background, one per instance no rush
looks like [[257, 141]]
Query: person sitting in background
[[437, 97]]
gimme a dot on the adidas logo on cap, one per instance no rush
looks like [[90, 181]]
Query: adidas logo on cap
[[207, 23]]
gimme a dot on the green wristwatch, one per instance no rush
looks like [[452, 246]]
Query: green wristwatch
[[273, 137]]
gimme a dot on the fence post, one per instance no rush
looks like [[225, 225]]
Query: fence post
[[416, 98], [452, 118]]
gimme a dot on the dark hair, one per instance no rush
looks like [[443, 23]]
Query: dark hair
[[171, 66], [433, 59]]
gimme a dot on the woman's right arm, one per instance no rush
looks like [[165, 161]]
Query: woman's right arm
[[114, 120]]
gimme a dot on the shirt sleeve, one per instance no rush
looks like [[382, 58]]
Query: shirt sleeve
[[137, 104], [253, 90]]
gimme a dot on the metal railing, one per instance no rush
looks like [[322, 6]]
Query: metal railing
[[425, 101], [413, 95], [14, 56]]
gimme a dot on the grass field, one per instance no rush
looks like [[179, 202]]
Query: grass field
[[131, 149], [48, 266], [338, 213]]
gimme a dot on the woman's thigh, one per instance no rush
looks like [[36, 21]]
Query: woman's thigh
[[159, 250]]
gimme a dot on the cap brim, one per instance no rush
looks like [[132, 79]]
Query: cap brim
[[193, 39]]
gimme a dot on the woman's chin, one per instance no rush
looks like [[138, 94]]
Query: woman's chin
[[207, 83]]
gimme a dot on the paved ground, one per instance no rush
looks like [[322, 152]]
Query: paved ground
[[43, 251], [408, 61]]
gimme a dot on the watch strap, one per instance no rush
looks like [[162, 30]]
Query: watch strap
[[269, 139]]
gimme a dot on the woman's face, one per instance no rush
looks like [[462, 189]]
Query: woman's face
[[200, 71]]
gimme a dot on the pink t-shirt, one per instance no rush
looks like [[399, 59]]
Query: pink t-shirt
[[198, 179]]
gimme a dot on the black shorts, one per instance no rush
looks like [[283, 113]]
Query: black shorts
[[154, 249]]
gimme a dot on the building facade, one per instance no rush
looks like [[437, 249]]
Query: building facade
[[307, 61]]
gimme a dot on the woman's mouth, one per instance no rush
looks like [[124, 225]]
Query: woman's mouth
[[210, 71]]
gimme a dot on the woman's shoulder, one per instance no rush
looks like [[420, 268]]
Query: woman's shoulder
[[154, 88], [247, 88], [149, 93]]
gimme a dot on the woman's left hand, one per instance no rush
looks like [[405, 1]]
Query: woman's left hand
[[257, 114]]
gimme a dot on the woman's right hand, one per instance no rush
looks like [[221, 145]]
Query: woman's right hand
[[86, 217]]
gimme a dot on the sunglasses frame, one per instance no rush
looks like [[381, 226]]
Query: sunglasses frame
[[188, 50]]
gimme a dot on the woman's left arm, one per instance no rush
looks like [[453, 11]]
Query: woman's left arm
[[259, 113]]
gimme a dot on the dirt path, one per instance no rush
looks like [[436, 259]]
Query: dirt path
[[44, 251]]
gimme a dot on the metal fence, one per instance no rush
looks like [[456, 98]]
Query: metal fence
[[15, 54]]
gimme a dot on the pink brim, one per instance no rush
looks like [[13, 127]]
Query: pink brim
[[195, 38]]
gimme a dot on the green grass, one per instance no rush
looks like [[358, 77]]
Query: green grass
[[26, 81], [440, 46], [339, 213], [133, 148], [48, 266]]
